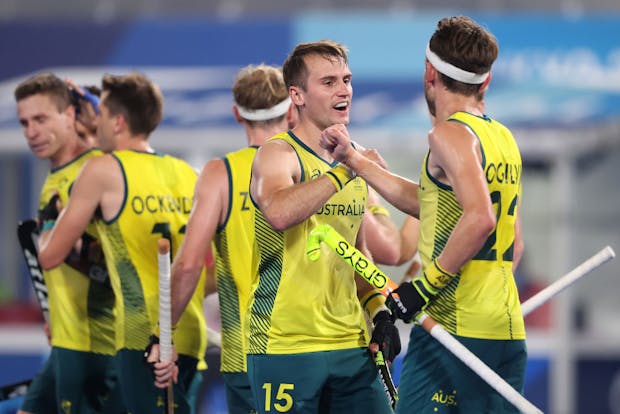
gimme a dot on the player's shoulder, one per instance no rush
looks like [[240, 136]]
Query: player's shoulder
[[278, 144], [446, 132], [178, 163], [284, 135], [100, 161], [215, 167]]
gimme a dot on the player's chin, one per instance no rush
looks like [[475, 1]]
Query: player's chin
[[341, 117], [41, 153]]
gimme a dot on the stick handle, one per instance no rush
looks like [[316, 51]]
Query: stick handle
[[568, 279], [165, 326]]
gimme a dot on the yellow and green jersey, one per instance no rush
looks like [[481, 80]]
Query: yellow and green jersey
[[158, 199], [482, 301], [299, 306], [233, 242], [81, 310]]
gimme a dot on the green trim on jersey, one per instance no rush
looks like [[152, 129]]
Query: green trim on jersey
[[482, 300]]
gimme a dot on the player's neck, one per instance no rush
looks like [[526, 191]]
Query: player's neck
[[310, 134], [450, 103], [134, 143], [73, 147], [257, 136]]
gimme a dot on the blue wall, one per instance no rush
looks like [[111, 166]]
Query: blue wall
[[552, 70]]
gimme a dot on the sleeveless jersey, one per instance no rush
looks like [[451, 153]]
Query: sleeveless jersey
[[300, 306], [158, 199], [234, 270], [81, 310], [482, 300]]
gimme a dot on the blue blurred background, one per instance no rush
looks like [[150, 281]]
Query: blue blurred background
[[556, 84]]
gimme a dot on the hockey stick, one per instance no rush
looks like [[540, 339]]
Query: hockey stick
[[568, 279], [386, 379], [371, 273], [27, 232], [165, 325], [14, 390], [376, 279]]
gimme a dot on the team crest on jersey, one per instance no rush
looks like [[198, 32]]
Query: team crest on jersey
[[316, 173]]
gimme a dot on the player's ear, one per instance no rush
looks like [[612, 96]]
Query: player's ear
[[430, 73], [296, 95], [236, 114], [120, 123], [485, 84]]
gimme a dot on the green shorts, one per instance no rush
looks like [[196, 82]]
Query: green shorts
[[239, 398], [75, 382], [137, 384], [433, 380], [343, 381], [41, 395]]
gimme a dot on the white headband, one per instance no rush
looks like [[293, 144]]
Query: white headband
[[452, 71], [264, 114]]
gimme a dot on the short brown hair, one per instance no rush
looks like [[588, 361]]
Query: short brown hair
[[467, 45], [259, 87], [45, 84], [294, 68], [135, 97]]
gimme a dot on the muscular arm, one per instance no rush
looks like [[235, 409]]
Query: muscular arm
[[275, 187], [210, 203], [381, 234], [210, 282], [455, 158], [409, 235], [519, 245], [91, 188]]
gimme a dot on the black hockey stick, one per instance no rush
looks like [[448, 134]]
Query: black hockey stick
[[386, 379], [14, 390], [27, 233]]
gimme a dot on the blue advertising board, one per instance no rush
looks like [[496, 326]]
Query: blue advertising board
[[553, 70]]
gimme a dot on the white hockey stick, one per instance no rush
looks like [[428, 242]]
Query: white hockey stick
[[568, 279], [165, 325], [373, 275]]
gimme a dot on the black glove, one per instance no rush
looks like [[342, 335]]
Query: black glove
[[410, 298], [386, 335], [49, 212]]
